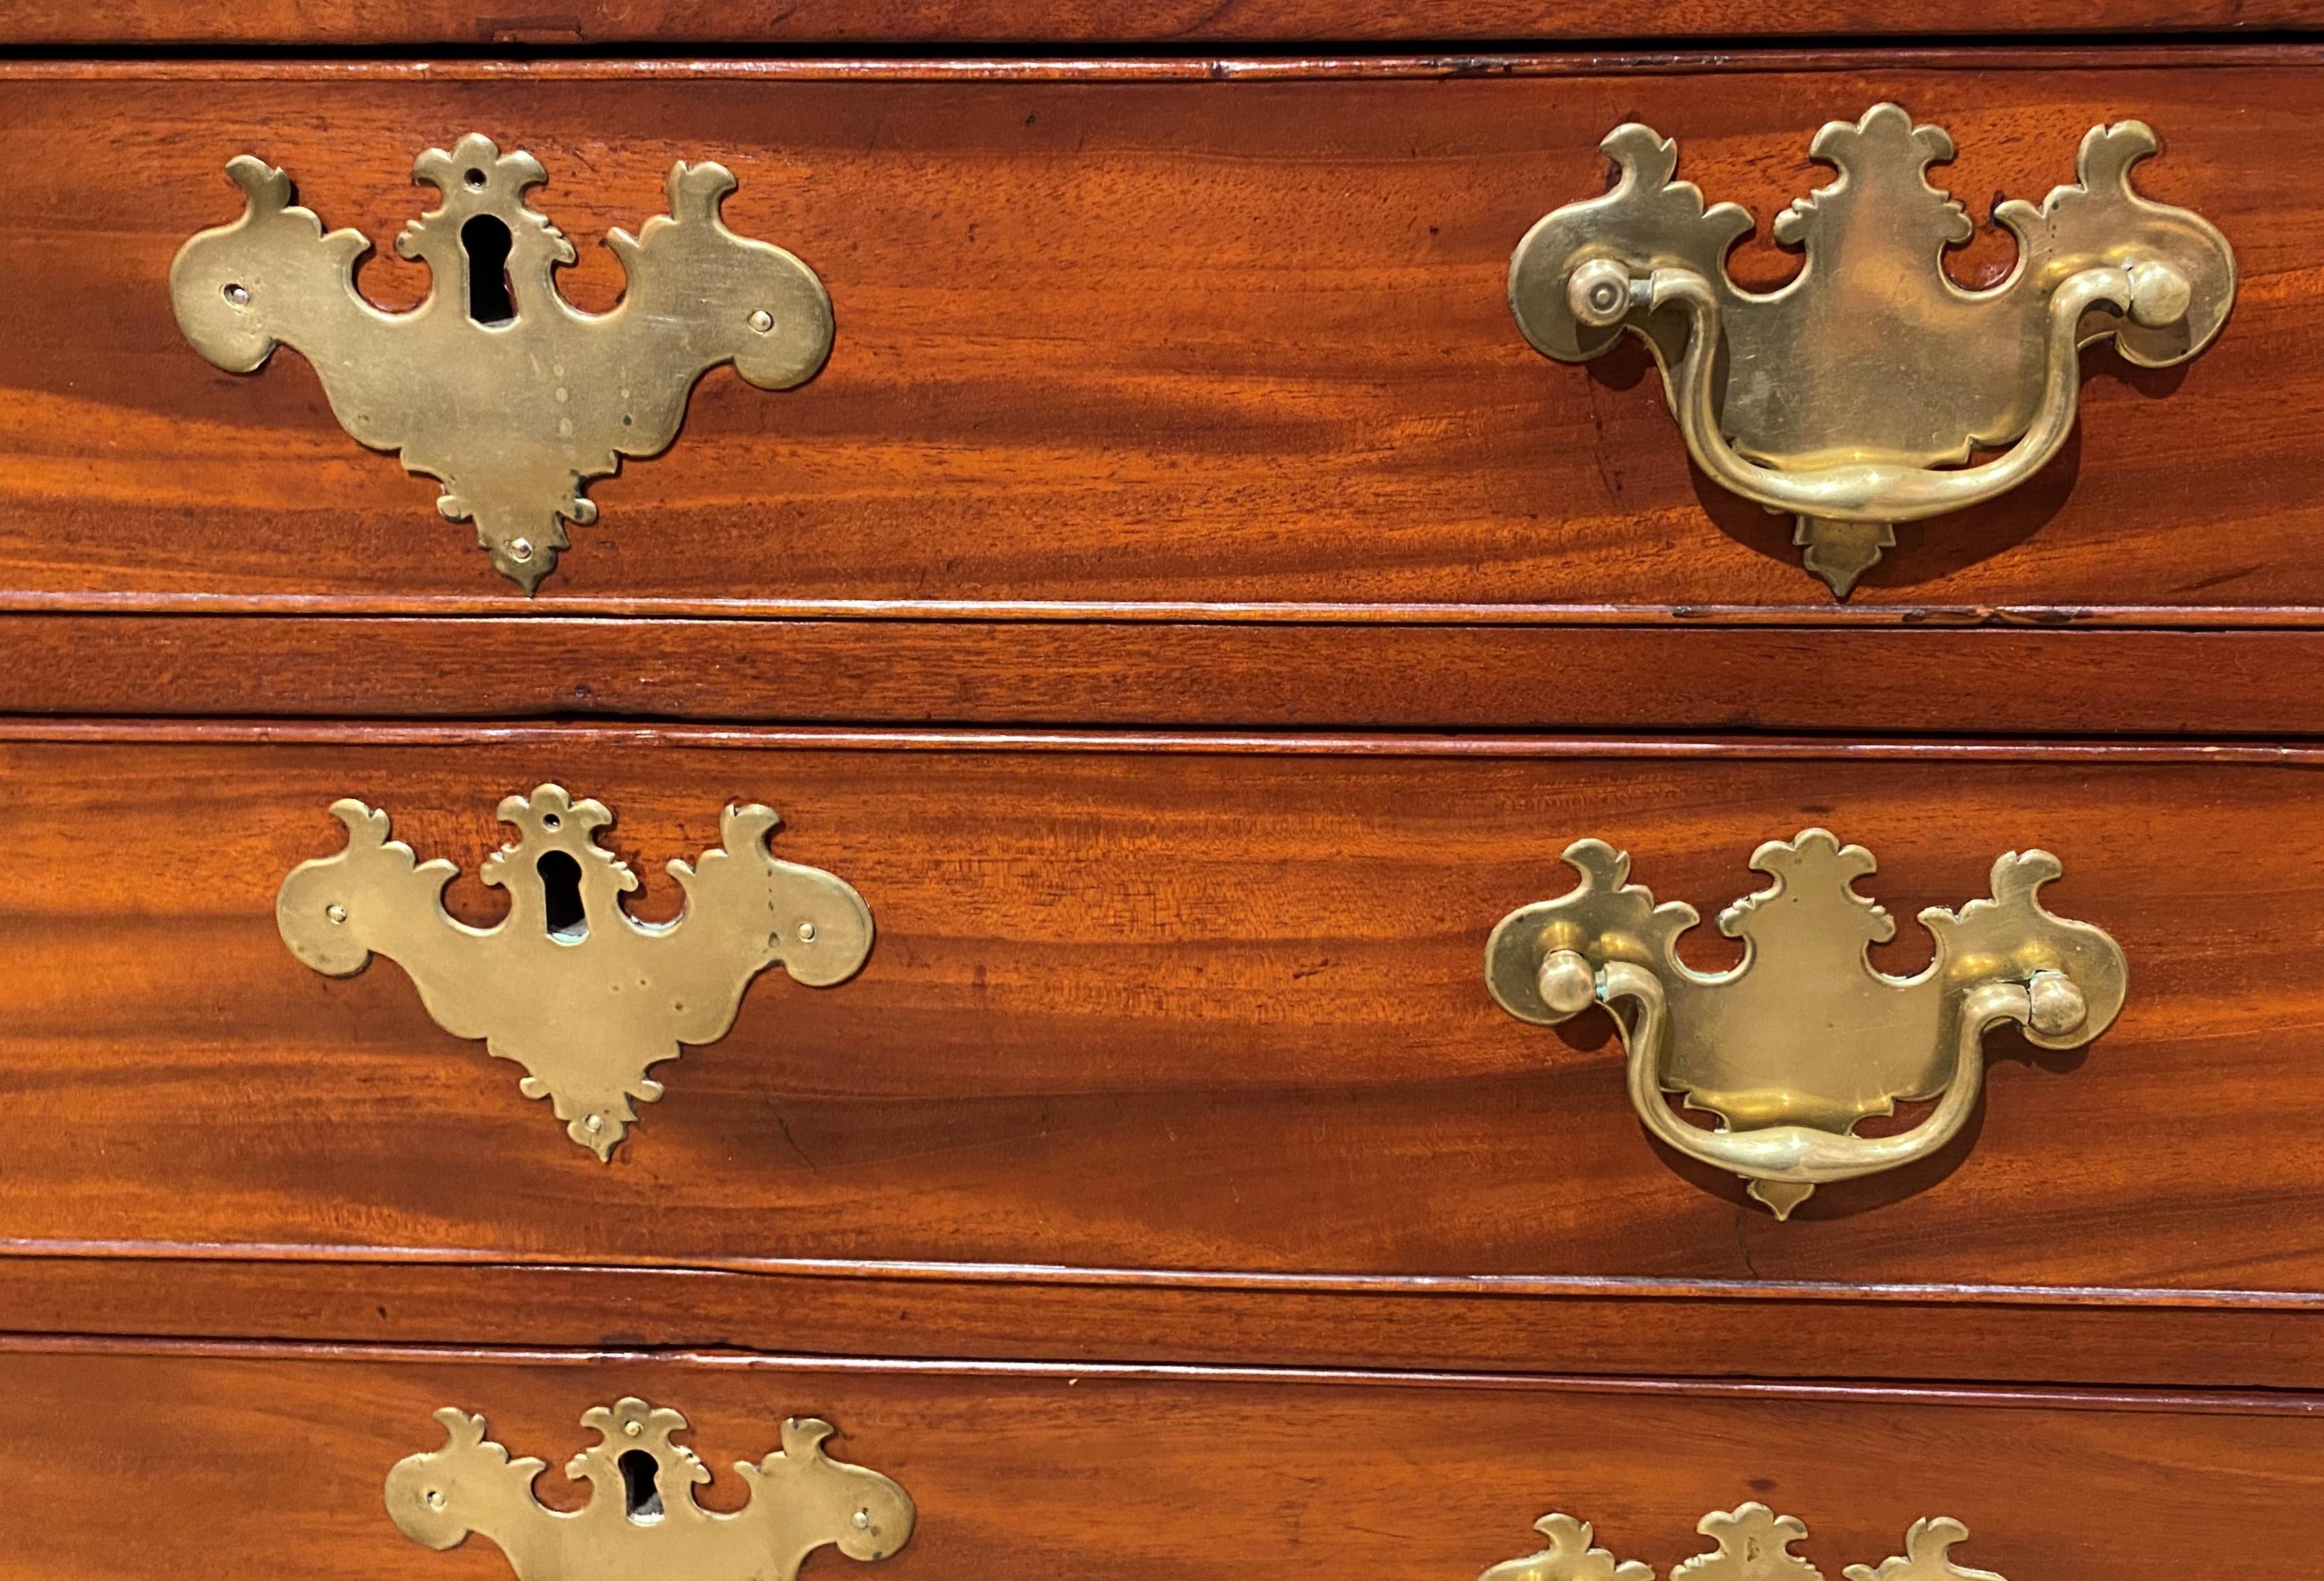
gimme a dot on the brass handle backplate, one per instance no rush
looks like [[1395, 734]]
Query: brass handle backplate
[[1752, 1543], [567, 985], [642, 1522], [494, 385], [1852, 396], [1795, 1046]]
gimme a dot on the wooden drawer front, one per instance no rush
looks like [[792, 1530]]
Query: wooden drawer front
[[1119, 336], [1163, 1005], [127, 1462]]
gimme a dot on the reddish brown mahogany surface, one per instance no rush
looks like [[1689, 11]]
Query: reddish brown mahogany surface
[[1090, 22], [253, 1453], [1174, 673], [1235, 673], [1126, 336], [1207, 1007], [1653, 1328]]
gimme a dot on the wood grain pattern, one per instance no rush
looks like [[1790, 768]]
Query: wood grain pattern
[[1269, 674], [1195, 1009], [1091, 21], [1125, 339], [1650, 1328], [1046, 1473]]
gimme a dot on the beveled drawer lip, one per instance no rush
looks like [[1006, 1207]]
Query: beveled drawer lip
[[1221, 65], [1166, 611], [1663, 746], [224, 1293], [2205, 1403], [1514, 1286]]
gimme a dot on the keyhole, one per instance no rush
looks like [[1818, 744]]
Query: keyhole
[[641, 1486], [560, 885], [486, 240]]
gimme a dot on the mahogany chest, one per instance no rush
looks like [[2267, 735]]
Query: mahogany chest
[[1039, 787]]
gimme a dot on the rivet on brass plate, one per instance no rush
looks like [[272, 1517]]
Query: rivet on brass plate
[[1751, 1543], [642, 1522], [567, 985], [494, 385], [1853, 397], [1795, 1046]]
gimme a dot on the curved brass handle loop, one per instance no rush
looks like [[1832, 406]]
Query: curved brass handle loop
[[1804, 1040], [1879, 491], [1854, 396], [1800, 1154]]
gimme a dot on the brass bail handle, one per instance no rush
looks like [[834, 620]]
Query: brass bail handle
[[1759, 1047], [1852, 396]]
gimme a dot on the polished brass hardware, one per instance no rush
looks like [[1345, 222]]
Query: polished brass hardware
[[1852, 396], [642, 1522], [494, 385], [1752, 1543], [1805, 1039], [582, 997]]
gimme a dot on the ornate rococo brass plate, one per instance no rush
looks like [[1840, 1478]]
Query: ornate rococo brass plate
[[642, 1522], [583, 997], [1752, 1543], [514, 415], [1805, 1039], [1852, 396]]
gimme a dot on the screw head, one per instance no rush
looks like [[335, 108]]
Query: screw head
[[237, 294], [762, 321], [594, 1123], [806, 933], [631, 1427], [520, 550], [335, 913], [862, 1519]]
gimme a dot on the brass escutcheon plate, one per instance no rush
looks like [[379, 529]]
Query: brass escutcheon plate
[[1750, 1543], [642, 1522], [1806, 1039], [1853, 397], [495, 385], [569, 987]]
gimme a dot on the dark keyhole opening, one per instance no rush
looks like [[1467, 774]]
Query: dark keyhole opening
[[560, 884], [641, 1486], [487, 241]]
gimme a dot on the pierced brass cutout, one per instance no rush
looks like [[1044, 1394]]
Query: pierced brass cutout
[[1853, 396], [494, 385], [567, 985], [1752, 1543], [1805, 1039], [642, 1522]]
